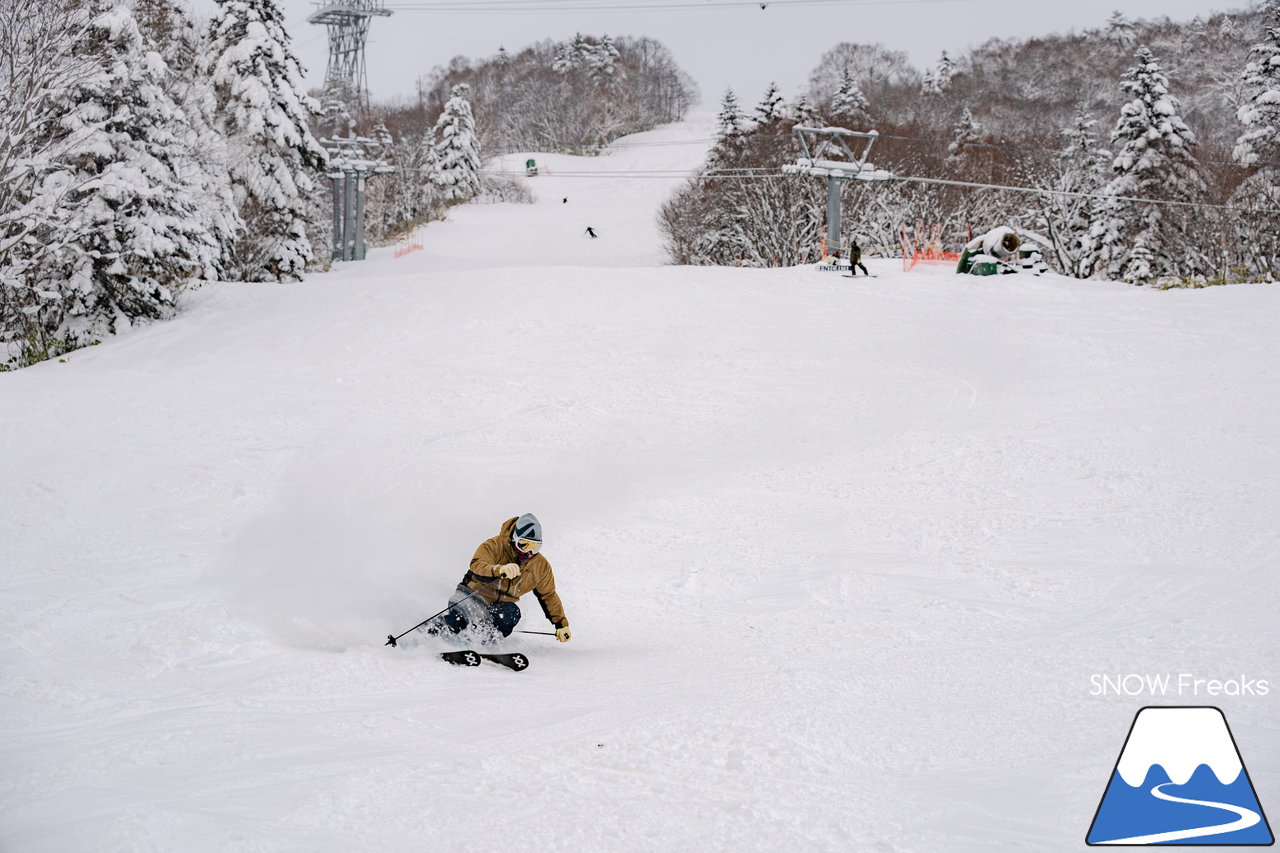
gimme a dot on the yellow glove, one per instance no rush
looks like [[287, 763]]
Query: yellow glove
[[510, 570], [562, 634]]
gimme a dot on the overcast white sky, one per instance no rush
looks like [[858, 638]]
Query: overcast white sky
[[742, 46]]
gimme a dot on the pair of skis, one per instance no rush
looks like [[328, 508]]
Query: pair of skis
[[467, 657]]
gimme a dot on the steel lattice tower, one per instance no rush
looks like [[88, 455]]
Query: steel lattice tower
[[348, 23]]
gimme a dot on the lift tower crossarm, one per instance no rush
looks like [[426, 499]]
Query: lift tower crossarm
[[818, 162]]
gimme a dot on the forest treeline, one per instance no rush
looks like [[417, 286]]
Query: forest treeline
[[1153, 144], [143, 150]]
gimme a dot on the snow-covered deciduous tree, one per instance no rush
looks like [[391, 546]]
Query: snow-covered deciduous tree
[[265, 116], [457, 149], [1258, 147], [770, 106], [1078, 173], [41, 48], [1131, 238], [849, 106], [408, 196]]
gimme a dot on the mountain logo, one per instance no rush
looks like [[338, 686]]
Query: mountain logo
[[1179, 780]]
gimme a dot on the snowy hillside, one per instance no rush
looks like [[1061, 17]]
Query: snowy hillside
[[840, 555]]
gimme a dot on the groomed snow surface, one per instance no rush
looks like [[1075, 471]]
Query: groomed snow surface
[[840, 555]]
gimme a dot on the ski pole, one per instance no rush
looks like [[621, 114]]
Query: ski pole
[[543, 633], [391, 640]]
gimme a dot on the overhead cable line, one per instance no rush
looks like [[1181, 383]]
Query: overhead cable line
[[755, 174], [996, 146]]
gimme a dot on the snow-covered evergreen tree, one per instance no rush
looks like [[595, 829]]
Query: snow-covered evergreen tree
[[1131, 239], [1259, 145], [572, 55], [203, 155], [805, 114], [458, 150], [338, 107], [770, 106], [730, 119], [1121, 30], [849, 106], [265, 116], [596, 59], [938, 79], [118, 199], [968, 133], [603, 60]]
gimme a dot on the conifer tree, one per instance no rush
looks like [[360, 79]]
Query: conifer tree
[[572, 55], [130, 206], [602, 60], [938, 79], [458, 150], [1131, 239], [968, 132], [804, 114], [849, 105], [166, 26], [1121, 30], [338, 101], [1259, 145], [730, 120], [770, 106], [265, 116]]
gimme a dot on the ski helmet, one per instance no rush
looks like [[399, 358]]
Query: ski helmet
[[527, 534]]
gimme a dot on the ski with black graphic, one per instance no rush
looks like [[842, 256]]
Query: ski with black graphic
[[512, 660], [461, 658], [466, 657]]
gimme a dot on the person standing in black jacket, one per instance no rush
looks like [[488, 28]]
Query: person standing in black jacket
[[855, 258]]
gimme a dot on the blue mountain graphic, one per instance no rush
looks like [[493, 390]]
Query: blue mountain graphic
[[1129, 812]]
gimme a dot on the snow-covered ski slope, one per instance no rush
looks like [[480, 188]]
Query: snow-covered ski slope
[[841, 556]]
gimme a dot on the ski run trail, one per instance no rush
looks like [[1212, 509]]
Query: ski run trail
[[843, 558]]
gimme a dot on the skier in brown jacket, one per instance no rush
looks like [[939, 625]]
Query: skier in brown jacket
[[513, 560]]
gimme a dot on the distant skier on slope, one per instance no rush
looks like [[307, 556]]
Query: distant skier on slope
[[504, 568], [591, 232]]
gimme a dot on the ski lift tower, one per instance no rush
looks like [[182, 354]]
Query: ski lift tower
[[819, 145], [348, 23], [352, 161]]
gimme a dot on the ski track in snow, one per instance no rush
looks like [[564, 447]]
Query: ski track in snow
[[840, 555]]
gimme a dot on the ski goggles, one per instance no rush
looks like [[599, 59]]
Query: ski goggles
[[528, 546]]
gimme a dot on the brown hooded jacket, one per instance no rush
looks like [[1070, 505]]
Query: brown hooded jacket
[[535, 576]]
